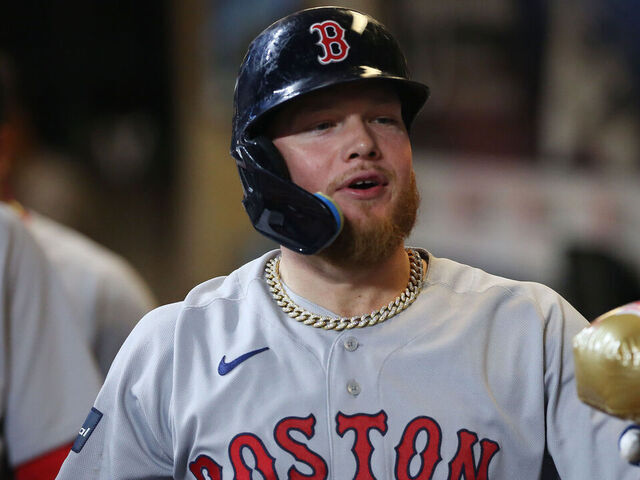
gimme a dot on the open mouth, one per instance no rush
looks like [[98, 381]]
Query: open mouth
[[366, 181], [364, 184]]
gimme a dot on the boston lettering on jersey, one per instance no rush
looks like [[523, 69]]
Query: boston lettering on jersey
[[463, 465]]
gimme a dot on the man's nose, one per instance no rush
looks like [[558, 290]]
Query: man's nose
[[361, 141]]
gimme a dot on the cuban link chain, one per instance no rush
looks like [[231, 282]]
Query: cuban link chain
[[401, 302]]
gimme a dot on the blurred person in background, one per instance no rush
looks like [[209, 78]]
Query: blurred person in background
[[108, 293], [46, 369]]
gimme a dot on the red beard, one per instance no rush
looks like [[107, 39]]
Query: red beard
[[378, 239]]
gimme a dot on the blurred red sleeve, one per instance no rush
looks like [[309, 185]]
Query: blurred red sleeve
[[44, 467]]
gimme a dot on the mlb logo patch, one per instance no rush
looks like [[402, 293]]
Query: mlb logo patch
[[87, 429]]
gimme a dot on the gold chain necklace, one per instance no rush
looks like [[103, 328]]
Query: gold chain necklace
[[401, 302]]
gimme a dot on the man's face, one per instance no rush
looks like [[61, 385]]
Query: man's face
[[350, 142]]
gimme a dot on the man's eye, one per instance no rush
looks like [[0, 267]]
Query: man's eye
[[321, 126], [385, 120]]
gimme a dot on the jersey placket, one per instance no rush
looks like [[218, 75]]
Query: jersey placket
[[356, 419]]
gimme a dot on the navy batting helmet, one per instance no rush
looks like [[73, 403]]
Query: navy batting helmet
[[301, 53]]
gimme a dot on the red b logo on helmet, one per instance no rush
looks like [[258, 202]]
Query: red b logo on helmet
[[332, 41]]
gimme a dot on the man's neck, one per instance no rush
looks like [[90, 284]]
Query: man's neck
[[347, 290]]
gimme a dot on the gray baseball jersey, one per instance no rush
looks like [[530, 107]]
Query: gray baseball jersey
[[470, 382], [108, 293], [46, 370]]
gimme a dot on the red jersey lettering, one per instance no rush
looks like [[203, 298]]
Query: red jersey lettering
[[417, 454], [265, 463], [463, 464], [205, 465], [362, 424], [300, 451], [430, 456]]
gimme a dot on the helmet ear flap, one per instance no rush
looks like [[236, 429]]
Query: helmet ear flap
[[265, 154], [279, 209]]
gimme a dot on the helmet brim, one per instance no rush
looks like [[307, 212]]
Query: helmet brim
[[412, 94]]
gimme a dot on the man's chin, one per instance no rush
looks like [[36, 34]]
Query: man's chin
[[357, 246], [369, 237]]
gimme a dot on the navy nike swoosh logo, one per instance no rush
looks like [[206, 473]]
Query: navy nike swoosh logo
[[224, 367]]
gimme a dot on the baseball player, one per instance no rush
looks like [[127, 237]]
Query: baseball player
[[109, 295], [343, 354], [46, 370]]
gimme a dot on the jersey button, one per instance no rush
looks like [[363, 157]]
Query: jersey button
[[350, 344], [353, 388]]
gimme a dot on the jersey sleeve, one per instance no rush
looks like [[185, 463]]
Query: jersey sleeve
[[128, 433], [582, 441], [123, 298], [49, 372]]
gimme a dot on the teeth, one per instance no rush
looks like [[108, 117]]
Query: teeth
[[363, 183]]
